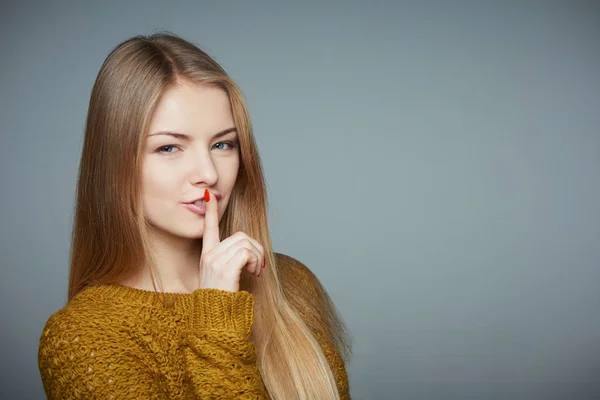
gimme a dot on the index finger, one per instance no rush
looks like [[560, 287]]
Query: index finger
[[210, 236]]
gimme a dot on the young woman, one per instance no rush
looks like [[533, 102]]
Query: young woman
[[171, 194]]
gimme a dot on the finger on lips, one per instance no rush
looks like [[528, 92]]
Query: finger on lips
[[210, 238]]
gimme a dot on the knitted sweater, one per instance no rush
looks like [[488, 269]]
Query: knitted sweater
[[117, 342]]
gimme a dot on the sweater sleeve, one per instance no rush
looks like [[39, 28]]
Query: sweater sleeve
[[80, 359], [220, 359], [77, 361]]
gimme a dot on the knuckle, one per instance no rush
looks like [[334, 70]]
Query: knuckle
[[246, 252]]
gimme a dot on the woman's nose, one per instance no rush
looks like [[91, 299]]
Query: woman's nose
[[203, 171]]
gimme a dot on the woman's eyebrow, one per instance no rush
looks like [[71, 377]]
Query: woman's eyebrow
[[185, 137]]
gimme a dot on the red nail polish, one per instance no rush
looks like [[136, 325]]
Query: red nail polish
[[206, 195], [264, 263]]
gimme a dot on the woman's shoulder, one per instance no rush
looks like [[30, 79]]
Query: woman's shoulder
[[294, 274], [84, 316], [289, 264], [310, 298], [302, 287], [67, 334]]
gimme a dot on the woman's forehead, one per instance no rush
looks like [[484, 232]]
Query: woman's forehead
[[196, 110]]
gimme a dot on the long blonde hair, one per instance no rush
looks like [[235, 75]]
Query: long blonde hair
[[110, 241]]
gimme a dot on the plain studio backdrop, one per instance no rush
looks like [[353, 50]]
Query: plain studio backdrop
[[436, 164]]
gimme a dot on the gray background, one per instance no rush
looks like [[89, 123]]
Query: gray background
[[434, 163]]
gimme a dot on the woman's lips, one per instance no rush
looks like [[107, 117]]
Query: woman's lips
[[200, 210]]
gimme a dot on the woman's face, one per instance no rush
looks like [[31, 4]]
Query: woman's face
[[183, 154]]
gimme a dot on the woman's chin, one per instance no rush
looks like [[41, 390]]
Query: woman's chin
[[196, 234], [181, 229], [183, 234]]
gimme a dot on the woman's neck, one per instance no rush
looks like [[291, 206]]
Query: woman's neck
[[176, 261]]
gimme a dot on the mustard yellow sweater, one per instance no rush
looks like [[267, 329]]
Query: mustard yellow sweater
[[117, 342]]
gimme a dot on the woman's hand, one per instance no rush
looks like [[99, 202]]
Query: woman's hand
[[221, 263]]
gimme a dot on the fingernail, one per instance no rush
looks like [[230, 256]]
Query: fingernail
[[206, 195], [264, 263]]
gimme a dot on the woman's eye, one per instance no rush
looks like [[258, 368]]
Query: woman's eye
[[230, 144], [167, 149]]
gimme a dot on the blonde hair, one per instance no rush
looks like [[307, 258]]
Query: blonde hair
[[110, 242]]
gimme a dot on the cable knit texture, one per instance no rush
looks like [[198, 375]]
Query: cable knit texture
[[117, 342]]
